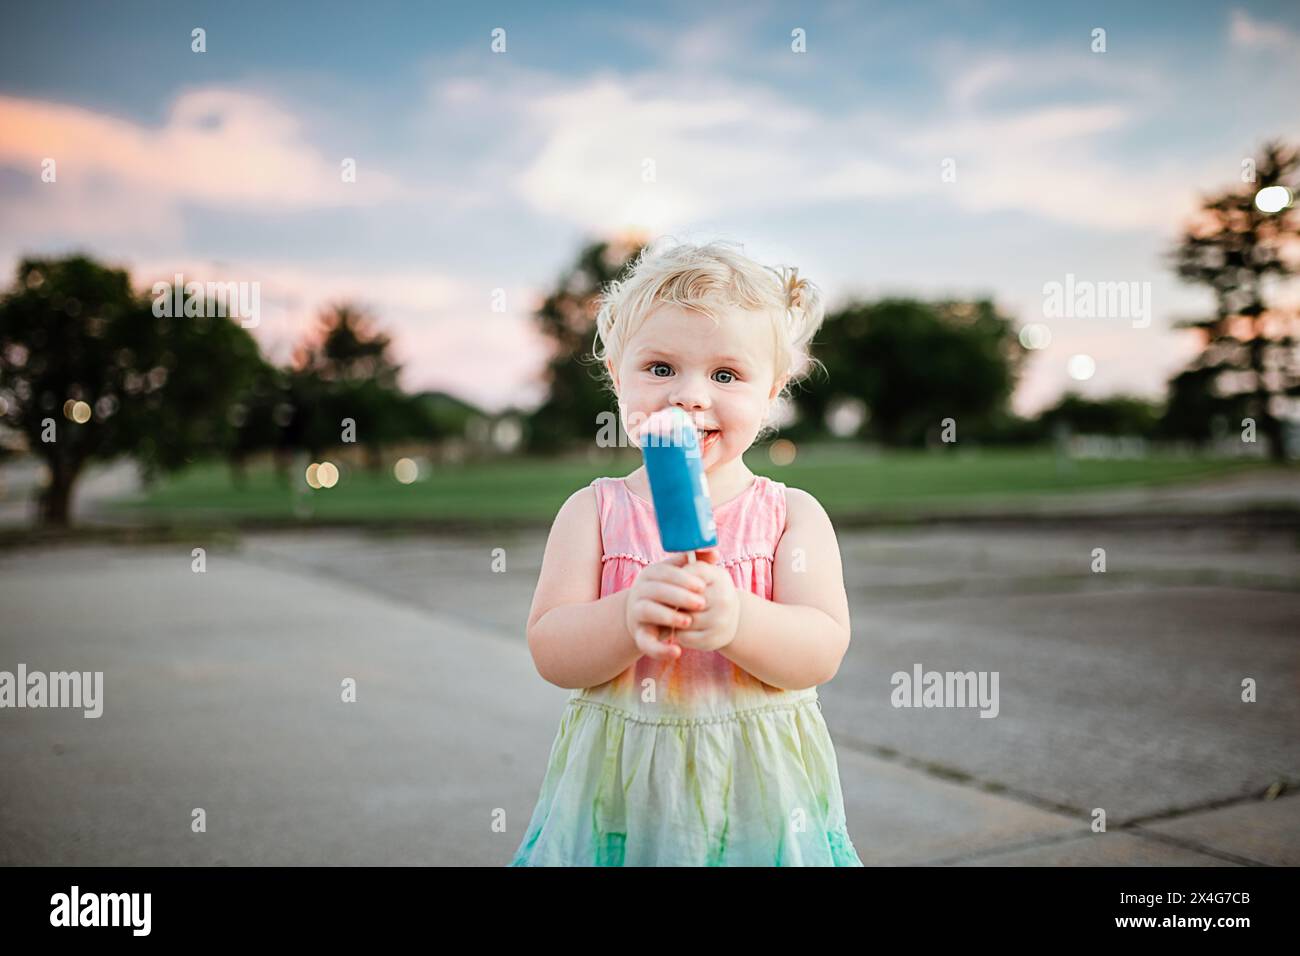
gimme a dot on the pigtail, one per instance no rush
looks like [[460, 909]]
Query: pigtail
[[804, 306]]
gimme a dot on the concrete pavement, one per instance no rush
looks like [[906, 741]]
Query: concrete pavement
[[1118, 690]]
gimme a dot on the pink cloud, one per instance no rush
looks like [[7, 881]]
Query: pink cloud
[[218, 147], [444, 332], [1244, 31]]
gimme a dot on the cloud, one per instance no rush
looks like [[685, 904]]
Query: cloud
[[727, 38], [972, 83], [973, 76], [443, 329], [1044, 161], [615, 152], [218, 147], [655, 151], [1249, 33]]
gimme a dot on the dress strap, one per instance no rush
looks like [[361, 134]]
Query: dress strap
[[598, 487], [626, 529]]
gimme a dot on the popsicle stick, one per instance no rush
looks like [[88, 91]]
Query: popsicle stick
[[672, 632]]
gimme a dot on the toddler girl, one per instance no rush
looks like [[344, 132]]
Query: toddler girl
[[693, 735]]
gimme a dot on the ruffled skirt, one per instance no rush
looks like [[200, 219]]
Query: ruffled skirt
[[755, 788]]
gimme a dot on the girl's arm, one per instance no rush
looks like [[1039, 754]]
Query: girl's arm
[[577, 638], [798, 638]]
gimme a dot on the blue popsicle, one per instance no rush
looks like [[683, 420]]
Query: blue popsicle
[[677, 482]]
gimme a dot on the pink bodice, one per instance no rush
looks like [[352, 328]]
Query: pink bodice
[[699, 684]]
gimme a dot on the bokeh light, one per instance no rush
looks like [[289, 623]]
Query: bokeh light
[[406, 471], [507, 434], [327, 474], [1081, 367], [845, 416], [312, 470], [1273, 198], [80, 412], [1035, 335], [782, 451]]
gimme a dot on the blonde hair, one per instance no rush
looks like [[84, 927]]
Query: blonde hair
[[704, 277]]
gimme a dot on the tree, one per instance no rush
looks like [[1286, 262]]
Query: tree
[[1195, 411], [88, 372], [1248, 366], [348, 347], [260, 418], [914, 364], [576, 392], [344, 372], [1120, 415]]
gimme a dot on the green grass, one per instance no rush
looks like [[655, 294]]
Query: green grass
[[847, 482]]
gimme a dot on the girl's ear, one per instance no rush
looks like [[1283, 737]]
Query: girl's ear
[[612, 374], [777, 386]]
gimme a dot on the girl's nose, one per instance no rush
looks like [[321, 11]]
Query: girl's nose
[[691, 395], [690, 402]]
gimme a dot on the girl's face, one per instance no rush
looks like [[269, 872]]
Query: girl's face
[[723, 377]]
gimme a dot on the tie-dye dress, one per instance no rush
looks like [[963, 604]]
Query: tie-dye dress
[[692, 762]]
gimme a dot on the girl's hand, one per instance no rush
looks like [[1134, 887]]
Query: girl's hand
[[715, 626], [653, 601]]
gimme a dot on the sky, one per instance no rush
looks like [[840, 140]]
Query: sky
[[932, 149]]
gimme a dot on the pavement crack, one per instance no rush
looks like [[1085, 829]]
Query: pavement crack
[[957, 776], [1135, 826]]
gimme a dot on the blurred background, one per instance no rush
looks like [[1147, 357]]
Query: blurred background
[[295, 371]]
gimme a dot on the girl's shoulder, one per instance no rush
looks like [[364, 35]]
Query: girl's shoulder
[[581, 497], [579, 516], [802, 508], [793, 495]]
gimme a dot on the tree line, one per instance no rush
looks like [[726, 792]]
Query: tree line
[[90, 370], [896, 368]]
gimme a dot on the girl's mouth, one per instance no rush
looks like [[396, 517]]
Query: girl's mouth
[[708, 439]]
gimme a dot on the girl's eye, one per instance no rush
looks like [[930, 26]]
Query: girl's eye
[[722, 371]]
